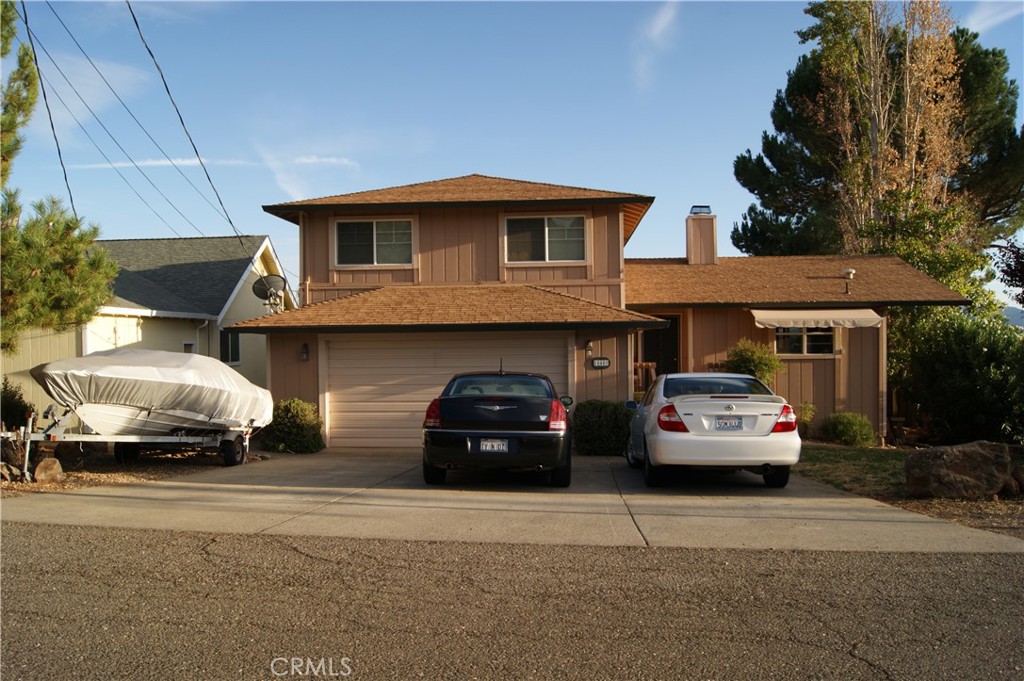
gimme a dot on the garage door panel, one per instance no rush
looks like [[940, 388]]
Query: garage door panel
[[379, 386]]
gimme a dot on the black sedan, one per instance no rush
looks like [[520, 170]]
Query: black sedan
[[505, 420]]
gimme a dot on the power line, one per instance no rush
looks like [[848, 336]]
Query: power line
[[128, 110], [42, 88]]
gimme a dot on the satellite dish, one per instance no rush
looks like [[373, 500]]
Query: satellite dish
[[268, 286]]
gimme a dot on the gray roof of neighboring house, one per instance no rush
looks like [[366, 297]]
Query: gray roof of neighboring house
[[185, 275]]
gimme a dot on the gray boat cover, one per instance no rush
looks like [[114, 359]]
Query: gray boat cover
[[156, 380]]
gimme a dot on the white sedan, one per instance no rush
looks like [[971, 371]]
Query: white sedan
[[711, 420]]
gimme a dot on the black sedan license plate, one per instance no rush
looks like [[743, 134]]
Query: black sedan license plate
[[728, 423], [493, 445]]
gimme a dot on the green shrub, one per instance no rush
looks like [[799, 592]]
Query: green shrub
[[965, 374], [848, 428], [601, 427], [805, 417], [296, 428], [757, 359], [14, 408]]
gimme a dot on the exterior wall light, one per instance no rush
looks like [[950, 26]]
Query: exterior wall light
[[589, 348], [304, 352]]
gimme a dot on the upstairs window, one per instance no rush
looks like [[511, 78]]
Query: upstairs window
[[374, 242], [795, 340], [547, 239]]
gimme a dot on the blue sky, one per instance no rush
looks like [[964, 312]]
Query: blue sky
[[290, 100]]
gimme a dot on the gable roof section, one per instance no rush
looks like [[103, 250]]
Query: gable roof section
[[783, 281], [472, 190], [434, 308], [187, 276]]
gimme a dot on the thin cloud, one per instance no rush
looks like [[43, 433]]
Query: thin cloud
[[988, 15], [163, 163], [654, 39], [313, 159]]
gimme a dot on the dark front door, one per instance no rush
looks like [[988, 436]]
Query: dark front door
[[662, 346]]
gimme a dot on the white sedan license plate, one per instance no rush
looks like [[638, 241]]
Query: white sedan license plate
[[728, 423], [493, 445]]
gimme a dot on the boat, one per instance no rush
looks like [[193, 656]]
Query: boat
[[154, 393]]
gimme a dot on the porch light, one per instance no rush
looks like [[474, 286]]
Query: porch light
[[304, 352], [589, 348]]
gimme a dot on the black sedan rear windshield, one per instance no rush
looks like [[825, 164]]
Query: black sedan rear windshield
[[523, 386], [674, 387]]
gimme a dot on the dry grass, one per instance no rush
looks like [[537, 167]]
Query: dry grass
[[878, 473]]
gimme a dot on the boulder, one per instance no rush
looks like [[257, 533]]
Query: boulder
[[974, 470], [49, 470]]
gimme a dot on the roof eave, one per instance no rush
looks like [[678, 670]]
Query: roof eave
[[423, 328], [797, 305]]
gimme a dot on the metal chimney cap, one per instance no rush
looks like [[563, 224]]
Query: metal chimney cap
[[700, 210]]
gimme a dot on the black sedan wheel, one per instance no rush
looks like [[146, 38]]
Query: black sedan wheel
[[633, 463], [432, 475], [562, 476]]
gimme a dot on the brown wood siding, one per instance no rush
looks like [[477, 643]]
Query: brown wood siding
[[861, 360], [289, 375], [810, 379], [463, 245], [716, 330], [614, 383]]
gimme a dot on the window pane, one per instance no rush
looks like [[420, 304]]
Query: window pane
[[525, 238], [394, 242], [789, 341], [819, 341], [355, 243], [566, 238]]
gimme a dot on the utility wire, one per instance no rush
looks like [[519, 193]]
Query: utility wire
[[49, 114], [114, 139], [115, 168], [181, 119], [127, 109]]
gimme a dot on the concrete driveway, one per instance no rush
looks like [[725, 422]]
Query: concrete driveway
[[382, 496]]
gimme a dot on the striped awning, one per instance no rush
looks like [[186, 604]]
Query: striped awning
[[849, 319]]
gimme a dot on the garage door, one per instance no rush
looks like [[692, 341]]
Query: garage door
[[379, 386]]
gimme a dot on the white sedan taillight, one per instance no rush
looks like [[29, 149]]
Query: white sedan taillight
[[668, 419], [787, 420]]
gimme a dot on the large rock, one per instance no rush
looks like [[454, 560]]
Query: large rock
[[49, 470], [969, 471]]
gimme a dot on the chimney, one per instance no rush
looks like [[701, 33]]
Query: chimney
[[701, 236]]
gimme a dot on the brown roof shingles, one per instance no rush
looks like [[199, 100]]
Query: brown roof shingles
[[452, 307], [788, 281]]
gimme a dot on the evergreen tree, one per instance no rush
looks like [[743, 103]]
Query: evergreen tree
[[52, 275]]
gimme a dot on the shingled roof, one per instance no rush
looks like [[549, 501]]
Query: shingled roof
[[472, 190], [189, 276], [785, 281], [434, 308]]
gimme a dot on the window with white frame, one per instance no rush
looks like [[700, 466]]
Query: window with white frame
[[796, 340], [373, 242], [546, 239]]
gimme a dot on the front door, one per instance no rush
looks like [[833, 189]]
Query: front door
[[662, 346]]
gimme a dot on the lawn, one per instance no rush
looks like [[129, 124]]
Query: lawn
[[866, 471]]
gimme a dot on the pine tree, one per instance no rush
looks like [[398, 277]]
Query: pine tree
[[52, 274]]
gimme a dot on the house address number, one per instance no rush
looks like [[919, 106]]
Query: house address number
[[600, 362]]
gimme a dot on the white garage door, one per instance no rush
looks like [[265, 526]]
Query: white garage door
[[379, 386]]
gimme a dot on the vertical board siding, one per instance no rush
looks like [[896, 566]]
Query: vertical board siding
[[37, 347], [289, 375]]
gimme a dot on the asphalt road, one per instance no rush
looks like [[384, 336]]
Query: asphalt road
[[120, 603]]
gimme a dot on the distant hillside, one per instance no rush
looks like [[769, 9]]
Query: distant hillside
[[1015, 315]]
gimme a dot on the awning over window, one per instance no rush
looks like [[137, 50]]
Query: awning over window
[[850, 319]]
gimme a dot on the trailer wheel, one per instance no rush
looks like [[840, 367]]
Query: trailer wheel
[[233, 451], [126, 452]]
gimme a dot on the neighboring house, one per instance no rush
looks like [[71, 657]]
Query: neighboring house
[[824, 315], [402, 287], [170, 294]]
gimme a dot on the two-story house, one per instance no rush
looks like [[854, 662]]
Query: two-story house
[[405, 286], [402, 287]]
